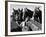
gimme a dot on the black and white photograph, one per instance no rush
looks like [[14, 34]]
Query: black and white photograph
[[25, 18]]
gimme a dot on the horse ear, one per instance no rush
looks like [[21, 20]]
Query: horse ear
[[13, 9]]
